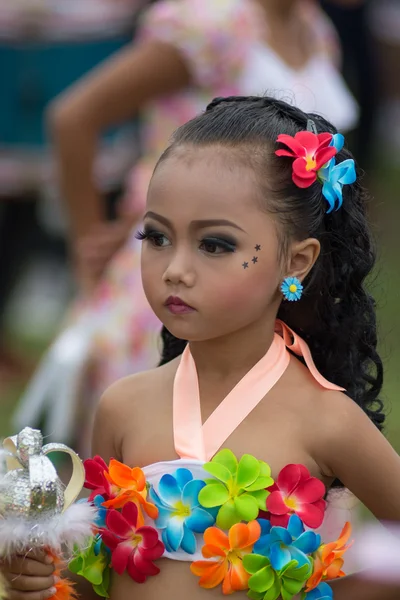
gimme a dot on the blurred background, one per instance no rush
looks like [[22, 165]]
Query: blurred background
[[47, 45]]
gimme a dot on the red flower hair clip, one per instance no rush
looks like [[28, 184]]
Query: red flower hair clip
[[311, 152]]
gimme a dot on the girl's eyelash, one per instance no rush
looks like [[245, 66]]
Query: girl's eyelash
[[141, 235], [225, 244], [147, 234], [228, 245]]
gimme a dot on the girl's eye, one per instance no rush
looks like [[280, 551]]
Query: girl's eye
[[217, 246], [156, 238]]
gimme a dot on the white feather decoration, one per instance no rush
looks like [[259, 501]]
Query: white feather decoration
[[68, 529], [36, 509]]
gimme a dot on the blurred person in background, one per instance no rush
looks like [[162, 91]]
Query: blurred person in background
[[45, 45], [186, 52], [351, 19], [384, 22]]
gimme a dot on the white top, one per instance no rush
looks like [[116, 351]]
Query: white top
[[317, 87]]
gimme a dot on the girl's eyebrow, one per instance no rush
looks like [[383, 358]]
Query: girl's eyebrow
[[199, 224], [215, 223], [160, 218]]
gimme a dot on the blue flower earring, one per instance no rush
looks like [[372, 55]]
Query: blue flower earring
[[292, 289]]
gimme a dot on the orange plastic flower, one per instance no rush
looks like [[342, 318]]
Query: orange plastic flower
[[328, 561], [65, 589], [228, 551], [131, 486]]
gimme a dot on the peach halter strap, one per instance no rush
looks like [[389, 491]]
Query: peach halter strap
[[195, 440]]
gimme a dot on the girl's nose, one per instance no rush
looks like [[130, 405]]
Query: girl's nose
[[180, 270]]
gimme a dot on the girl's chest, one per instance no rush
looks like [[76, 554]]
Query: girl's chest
[[270, 434]]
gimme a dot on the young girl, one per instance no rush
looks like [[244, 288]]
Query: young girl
[[185, 52], [238, 233]]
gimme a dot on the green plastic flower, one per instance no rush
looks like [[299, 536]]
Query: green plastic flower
[[267, 584], [93, 565], [238, 488]]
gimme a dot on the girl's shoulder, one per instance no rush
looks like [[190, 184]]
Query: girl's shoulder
[[314, 407], [144, 386], [128, 403]]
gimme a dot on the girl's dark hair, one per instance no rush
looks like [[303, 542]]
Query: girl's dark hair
[[336, 315]]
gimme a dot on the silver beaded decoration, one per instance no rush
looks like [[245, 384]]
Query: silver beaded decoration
[[34, 488]]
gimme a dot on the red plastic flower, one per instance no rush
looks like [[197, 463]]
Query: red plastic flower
[[296, 492], [133, 548], [311, 151], [96, 471]]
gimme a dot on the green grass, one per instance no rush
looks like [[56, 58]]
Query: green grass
[[8, 399], [9, 395]]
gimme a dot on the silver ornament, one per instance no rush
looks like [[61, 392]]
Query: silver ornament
[[31, 487]]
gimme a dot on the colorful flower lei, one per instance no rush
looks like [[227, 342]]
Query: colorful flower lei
[[121, 540], [252, 529], [314, 155]]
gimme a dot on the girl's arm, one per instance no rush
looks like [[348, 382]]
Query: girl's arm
[[104, 444], [112, 93], [353, 450], [357, 587]]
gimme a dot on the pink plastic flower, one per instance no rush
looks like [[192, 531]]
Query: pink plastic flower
[[133, 548], [311, 152], [296, 492]]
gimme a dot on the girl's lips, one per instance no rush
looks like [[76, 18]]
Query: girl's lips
[[179, 309], [177, 306]]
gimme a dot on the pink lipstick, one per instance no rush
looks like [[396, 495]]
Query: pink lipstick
[[177, 306]]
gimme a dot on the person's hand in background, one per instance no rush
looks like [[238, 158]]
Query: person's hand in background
[[94, 251], [113, 93]]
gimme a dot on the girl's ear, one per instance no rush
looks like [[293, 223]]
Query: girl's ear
[[302, 257]]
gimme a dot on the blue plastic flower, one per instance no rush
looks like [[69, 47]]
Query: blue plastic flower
[[100, 519], [98, 545], [282, 545], [292, 289], [333, 177], [180, 515], [337, 141], [322, 592]]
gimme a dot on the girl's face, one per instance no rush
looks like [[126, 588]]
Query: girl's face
[[210, 254]]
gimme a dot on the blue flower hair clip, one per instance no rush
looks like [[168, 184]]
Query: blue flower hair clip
[[334, 176]]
